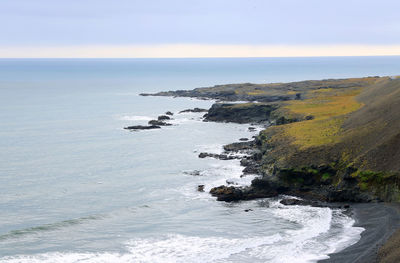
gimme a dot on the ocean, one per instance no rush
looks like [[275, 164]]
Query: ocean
[[76, 187]]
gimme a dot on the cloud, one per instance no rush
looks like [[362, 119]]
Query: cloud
[[195, 50]]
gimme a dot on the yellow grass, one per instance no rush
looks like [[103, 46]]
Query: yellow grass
[[329, 111], [242, 105], [256, 92], [322, 90]]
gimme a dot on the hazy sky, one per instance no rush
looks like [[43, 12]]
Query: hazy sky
[[66, 23]]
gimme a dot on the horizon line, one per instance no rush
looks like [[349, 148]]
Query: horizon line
[[196, 51], [344, 56]]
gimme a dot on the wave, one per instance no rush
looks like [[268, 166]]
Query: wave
[[170, 248], [323, 231], [49, 227], [316, 232], [310, 243]]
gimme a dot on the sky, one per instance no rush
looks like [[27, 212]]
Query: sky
[[164, 28]]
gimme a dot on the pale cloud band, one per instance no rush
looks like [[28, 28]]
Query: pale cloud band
[[196, 51]]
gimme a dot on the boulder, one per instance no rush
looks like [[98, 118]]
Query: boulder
[[200, 188], [227, 193], [159, 123], [239, 146], [163, 118]]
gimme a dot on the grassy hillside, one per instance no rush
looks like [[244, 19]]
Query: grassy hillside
[[354, 127]]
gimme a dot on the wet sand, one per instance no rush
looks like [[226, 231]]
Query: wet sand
[[380, 221], [390, 251]]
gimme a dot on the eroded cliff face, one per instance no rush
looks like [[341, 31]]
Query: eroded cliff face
[[241, 113]]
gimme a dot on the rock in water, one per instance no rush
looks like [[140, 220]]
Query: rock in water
[[200, 188], [227, 193], [163, 117], [239, 146], [169, 113], [194, 110], [159, 123], [194, 173], [218, 156], [141, 127]]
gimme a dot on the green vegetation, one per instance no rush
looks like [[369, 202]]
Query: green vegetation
[[326, 176]]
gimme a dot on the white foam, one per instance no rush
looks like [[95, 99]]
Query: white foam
[[185, 119], [298, 246], [209, 148], [315, 239], [166, 249], [311, 240], [135, 118]]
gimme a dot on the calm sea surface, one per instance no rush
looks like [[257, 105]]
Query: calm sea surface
[[76, 187]]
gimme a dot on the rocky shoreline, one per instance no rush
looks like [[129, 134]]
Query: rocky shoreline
[[281, 166], [316, 172]]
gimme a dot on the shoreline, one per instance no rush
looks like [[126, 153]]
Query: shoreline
[[380, 220], [312, 169]]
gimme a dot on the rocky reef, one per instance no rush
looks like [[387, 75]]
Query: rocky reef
[[142, 127]]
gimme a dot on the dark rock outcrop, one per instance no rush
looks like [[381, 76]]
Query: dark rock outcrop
[[231, 193], [240, 113], [163, 118], [239, 146], [159, 123], [141, 127], [169, 113], [251, 166], [227, 193], [218, 156], [306, 183], [194, 110]]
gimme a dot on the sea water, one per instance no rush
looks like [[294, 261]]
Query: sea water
[[76, 187]]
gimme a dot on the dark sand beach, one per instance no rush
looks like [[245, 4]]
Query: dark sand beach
[[380, 221]]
